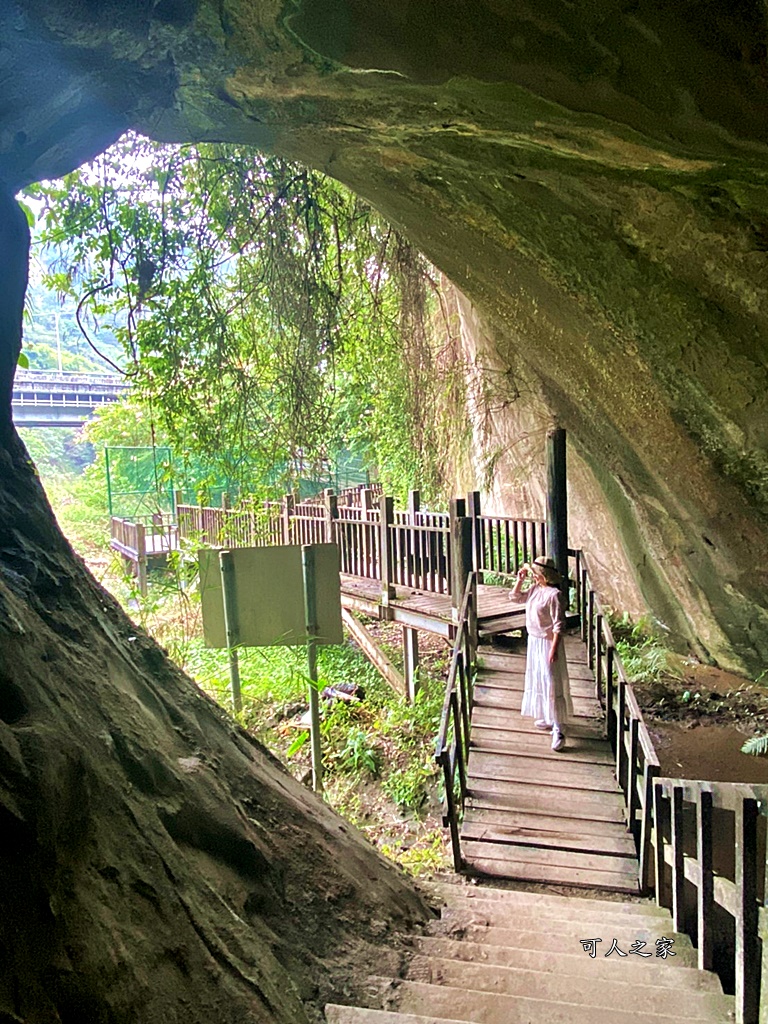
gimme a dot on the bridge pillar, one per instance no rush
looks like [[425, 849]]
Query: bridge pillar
[[411, 662]]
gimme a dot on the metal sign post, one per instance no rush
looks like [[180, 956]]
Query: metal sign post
[[310, 614], [226, 563]]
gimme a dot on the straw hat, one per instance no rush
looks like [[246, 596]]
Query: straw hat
[[547, 567]]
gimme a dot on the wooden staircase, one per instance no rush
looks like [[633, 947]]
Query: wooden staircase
[[533, 814], [515, 957]]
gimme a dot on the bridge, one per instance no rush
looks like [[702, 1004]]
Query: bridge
[[598, 815], [45, 398]]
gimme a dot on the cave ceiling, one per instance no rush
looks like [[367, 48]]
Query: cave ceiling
[[593, 176]]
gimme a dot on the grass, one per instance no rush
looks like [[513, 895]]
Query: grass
[[377, 753]]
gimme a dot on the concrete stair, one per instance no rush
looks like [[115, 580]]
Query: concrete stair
[[501, 956]]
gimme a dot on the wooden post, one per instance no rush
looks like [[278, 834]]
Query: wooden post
[[387, 507], [366, 502], [413, 539], [473, 511], [286, 513], [331, 502], [224, 500], [678, 860], [226, 563], [748, 973], [141, 558], [310, 618], [650, 772], [461, 551], [659, 862], [411, 662], [557, 505], [178, 499], [705, 889]]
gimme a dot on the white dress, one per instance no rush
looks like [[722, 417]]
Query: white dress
[[547, 693]]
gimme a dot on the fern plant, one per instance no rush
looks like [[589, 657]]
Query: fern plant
[[756, 745]]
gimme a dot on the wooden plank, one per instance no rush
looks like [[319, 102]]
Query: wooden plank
[[576, 841], [518, 796], [485, 764], [530, 746], [373, 652], [579, 728], [494, 861], [542, 821]]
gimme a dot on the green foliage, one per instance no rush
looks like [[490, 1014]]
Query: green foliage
[[643, 655], [270, 316], [756, 745]]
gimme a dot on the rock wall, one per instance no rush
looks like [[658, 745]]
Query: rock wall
[[594, 180]]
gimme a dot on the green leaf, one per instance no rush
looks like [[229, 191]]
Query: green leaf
[[23, 361], [28, 213], [756, 745], [298, 743]]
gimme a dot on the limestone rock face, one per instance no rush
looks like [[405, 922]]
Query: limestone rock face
[[593, 177]]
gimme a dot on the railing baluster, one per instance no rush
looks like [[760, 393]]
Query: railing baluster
[[705, 889], [678, 859], [746, 954]]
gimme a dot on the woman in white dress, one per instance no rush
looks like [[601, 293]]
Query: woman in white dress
[[547, 695]]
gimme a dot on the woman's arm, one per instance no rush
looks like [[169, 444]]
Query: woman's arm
[[555, 606], [517, 593]]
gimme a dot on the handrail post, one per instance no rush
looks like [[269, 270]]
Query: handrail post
[[473, 511], [366, 502], [461, 552], [650, 772], [705, 888], [557, 505], [141, 558], [678, 860], [331, 502], [748, 977], [387, 506], [659, 861], [286, 514]]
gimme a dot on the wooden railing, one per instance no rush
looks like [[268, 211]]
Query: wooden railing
[[636, 762], [710, 865], [503, 544], [452, 746]]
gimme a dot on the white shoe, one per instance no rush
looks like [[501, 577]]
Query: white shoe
[[541, 724], [558, 740]]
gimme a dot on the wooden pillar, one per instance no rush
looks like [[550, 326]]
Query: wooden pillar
[[705, 889], [411, 662], [366, 502], [414, 502], [678, 860], [141, 558], [331, 502], [224, 500], [473, 511], [460, 551], [557, 505], [286, 514], [748, 972], [387, 507]]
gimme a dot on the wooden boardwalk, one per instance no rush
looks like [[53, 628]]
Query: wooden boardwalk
[[534, 814]]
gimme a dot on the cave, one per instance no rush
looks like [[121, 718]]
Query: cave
[[594, 180]]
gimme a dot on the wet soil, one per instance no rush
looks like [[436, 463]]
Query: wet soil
[[699, 720]]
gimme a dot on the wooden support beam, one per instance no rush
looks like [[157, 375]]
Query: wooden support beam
[[411, 661], [473, 511], [373, 652], [460, 551]]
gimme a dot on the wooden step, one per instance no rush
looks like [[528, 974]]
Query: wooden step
[[335, 1014], [618, 845], [529, 745], [577, 912], [555, 866], [510, 820], [555, 771]]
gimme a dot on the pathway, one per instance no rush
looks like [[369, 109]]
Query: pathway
[[535, 814], [512, 957]]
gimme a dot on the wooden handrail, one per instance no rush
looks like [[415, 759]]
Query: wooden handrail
[[452, 744]]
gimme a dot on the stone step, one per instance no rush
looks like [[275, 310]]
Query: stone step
[[335, 1014], [568, 940], [630, 968], [518, 902], [557, 987], [445, 1002]]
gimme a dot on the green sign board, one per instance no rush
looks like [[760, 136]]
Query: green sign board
[[268, 590]]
